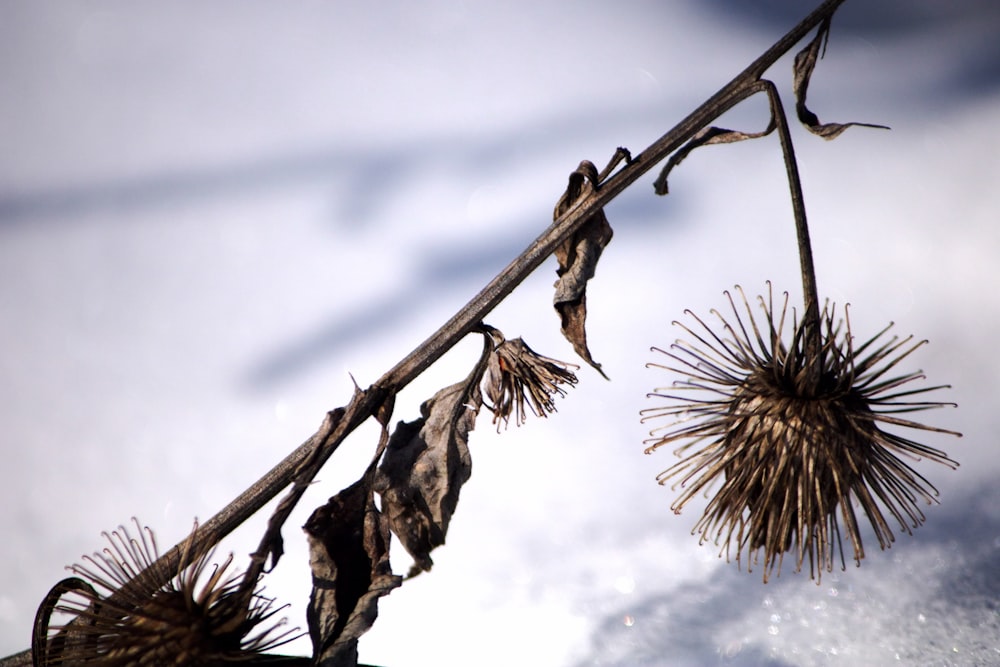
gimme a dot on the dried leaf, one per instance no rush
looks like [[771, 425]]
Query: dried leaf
[[272, 544], [805, 62], [519, 379], [577, 257], [705, 137], [426, 463], [349, 556]]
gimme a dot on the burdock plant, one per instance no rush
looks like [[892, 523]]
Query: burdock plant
[[202, 614], [791, 428], [785, 413], [782, 409]]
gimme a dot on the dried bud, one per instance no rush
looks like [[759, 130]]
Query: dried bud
[[518, 379]]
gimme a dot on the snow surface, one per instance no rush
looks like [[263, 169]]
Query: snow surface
[[212, 213]]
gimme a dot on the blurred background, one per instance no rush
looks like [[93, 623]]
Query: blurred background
[[213, 215]]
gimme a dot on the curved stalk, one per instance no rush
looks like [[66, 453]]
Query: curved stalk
[[813, 347]]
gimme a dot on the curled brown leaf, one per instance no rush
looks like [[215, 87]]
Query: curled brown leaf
[[805, 63], [705, 137], [349, 556], [426, 463], [578, 255]]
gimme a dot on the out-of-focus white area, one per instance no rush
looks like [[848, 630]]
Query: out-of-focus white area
[[213, 214]]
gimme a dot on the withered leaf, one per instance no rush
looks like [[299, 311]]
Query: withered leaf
[[426, 463], [577, 257], [705, 137], [349, 556], [272, 544], [805, 63]]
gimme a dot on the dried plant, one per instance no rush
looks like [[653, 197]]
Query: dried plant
[[792, 429], [518, 380], [792, 435], [185, 620]]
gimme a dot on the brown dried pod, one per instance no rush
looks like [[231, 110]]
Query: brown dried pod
[[792, 436]]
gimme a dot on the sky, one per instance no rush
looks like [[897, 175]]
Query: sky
[[215, 217]]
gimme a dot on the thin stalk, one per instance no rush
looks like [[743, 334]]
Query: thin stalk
[[318, 448], [813, 344]]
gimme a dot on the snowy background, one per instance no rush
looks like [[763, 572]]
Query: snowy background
[[212, 213]]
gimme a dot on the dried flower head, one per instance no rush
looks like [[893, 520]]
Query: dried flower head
[[794, 431], [519, 379], [188, 621]]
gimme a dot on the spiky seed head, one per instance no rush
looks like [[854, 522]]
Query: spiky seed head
[[201, 616], [793, 433]]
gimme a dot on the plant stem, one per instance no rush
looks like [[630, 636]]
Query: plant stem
[[365, 403], [813, 344], [504, 283]]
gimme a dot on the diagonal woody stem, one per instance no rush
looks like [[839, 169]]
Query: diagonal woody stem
[[319, 447]]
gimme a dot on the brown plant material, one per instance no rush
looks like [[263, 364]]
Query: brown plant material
[[320, 445], [519, 379], [578, 255], [426, 463], [793, 437], [349, 556], [272, 544], [187, 621], [706, 137], [805, 63], [579, 234]]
